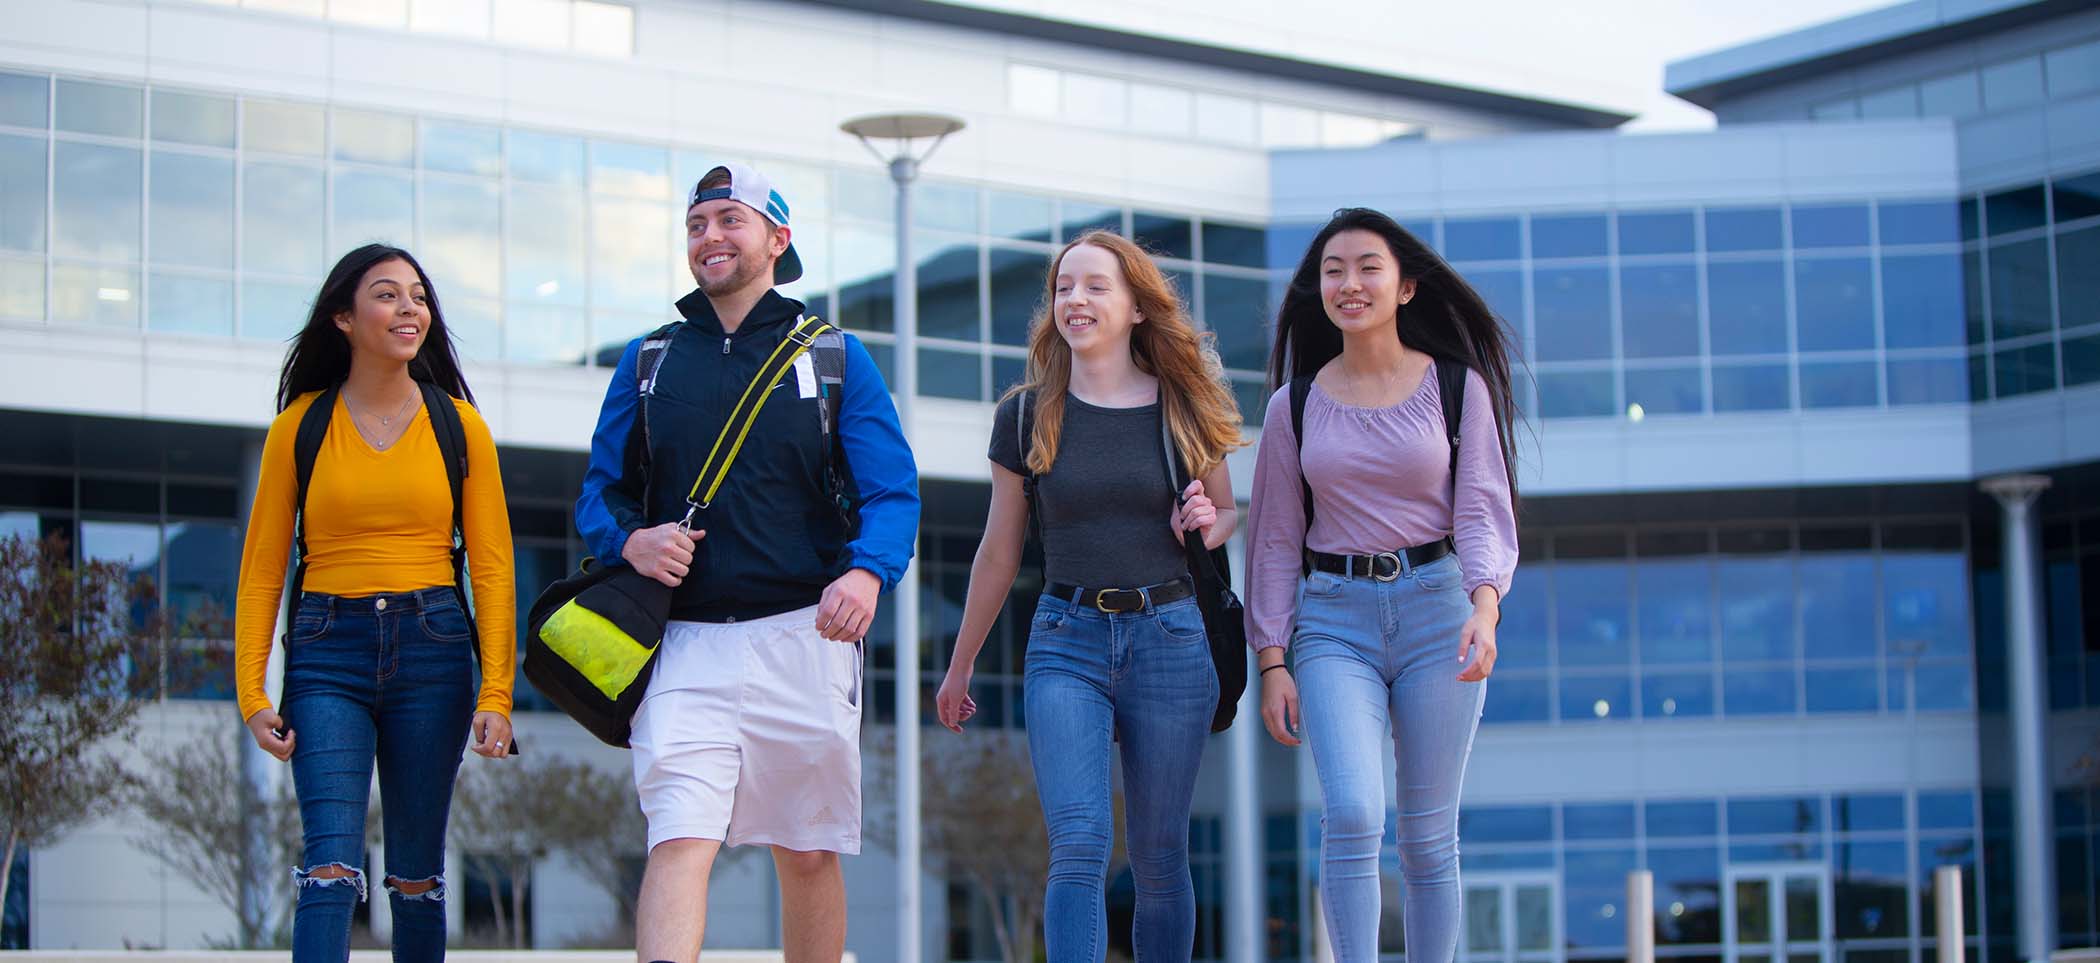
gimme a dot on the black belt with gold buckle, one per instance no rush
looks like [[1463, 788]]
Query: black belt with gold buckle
[[1116, 600]]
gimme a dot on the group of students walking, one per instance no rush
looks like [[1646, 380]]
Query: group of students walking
[[1380, 541]]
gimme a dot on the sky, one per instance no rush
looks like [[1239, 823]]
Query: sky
[[1604, 53]]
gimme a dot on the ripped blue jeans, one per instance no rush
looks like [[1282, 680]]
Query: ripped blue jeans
[[387, 678]]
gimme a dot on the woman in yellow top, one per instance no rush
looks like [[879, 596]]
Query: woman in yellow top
[[378, 658]]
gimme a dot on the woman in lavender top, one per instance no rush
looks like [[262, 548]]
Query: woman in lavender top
[[1387, 586]]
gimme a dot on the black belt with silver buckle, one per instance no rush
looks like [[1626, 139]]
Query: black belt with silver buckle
[[1384, 566], [1114, 600]]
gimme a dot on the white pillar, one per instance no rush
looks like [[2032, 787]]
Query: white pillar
[[1243, 908], [2027, 713], [1640, 916], [906, 388], [1946, 901]]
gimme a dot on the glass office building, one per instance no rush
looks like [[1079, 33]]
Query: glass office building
[[1758, 642]]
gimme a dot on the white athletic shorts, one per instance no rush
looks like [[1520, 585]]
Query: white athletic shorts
[[750, 734]]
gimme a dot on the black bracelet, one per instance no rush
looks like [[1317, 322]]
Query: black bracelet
[[1278, 665]]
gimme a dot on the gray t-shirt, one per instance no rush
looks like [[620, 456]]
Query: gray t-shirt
[[1107, 506]]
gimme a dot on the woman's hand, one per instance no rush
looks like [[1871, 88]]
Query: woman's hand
[[1279, 704], [1476, 641], [953, 705], [1196, 513], [264, 726], [491, 732]]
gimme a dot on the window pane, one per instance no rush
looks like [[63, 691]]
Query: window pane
[[949, 374], [1518, 698], [23, 168], [1576, 394], [1163, 234], [1591, 612], [1670, 695], [274, 311], [1758, 692], [191, 305], [2081, 360], [1574, 313], [1503, 290], [1660, 308], [2014, 83], [545, 158], [192, 210], [1955, 96], [1522, 638], [1597, 821], [282, 128], [1743, 229], [1670, 820], [1595, 698], [2077, 276], [22, 289], [476, 332], [1078, 217], [1666, 391], [1921, 300], [1918, 222], [462, 222], [2025, 370], [1669, 232], [106, 109], [1225, 118], [192, 119], [1927, 603], [630, 169], [281, 219], [1844, 689], [373, 208], [1772, 817], [2076, 197], [373, 138], [948, 294], [462, 148], [631, 254], [1837, 599], [1234, 244], [2072, 70], [1094, 100], [2020, 209], [1928, 382], [1752, 388], [948, 207], [1746, 303], [1943, 686], [1238, 310], [2019, 289], [97, 203], [1020, 216], [1757, 608], [1842, 225], [1017, 293], [25, 100], [99, 296], [862, 262], [1687, 911], [1676, 614], [545, 254], [1834, 304], [549, 334], [1162, 110], [1575, 235], [1482, 240], [1849, 384]]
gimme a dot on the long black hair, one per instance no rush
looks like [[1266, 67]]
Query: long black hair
[[320, 354], [1446, 319]]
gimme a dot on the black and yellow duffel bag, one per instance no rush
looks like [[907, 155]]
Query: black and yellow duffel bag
[[593, 637]]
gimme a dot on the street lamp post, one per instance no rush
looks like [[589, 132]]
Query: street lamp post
[[906, 131]]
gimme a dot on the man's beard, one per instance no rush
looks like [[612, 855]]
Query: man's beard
[[747, 270]]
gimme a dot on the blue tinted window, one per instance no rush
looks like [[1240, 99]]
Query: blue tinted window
[[1576, 394], [1676, 610], [2081, 360], [1287, 244], [1946, 810], [1919, 222], [1944, 686], [1686, 880], [22, 173], [1007, 372], [1837, 606], [1971, 219], [1699, 817], [1973, 320], [1930, 382], [947, 278], [1676, 695], [1747, 307], [1233, 244], [1423, 230], [949, 374], [1595, 897], [1503, 290], [1517, 698], [1163, 234], [1866, 813], [1576, 235], [2019, 289], [1597, 821], [1027, 217], [1757, 608], [1849, 384], [1921, 300], [1668, 232], [2019, 209], [1494, 239], [1017, 292], [1595, 698], [1666, 391], [194, 306], [1764, 387], [1660, 308], [107, 109], [1079, 217], [1591, 612], [1506, 824], [1834, 304], [1844, 689], [1238, 310], [25, 101], [1793, 851], [2025, 370], [543, 157], [635, 169], [1764, 817], [1573, 313], [1743, 229], [1758, 692], [2075, 197], [1926, 605], [1520, 641], [2078, 277], [1838, 225], [462, 148]]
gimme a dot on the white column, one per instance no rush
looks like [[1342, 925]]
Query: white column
[[1244, 912], [1946, 900], [906, 388], [1640, 916], [2027, 713]]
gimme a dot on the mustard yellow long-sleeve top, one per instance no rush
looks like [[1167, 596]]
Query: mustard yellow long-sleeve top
[[376, 521]]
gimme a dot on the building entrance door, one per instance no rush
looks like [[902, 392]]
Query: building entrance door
[[1511, 917], [1777, 913]]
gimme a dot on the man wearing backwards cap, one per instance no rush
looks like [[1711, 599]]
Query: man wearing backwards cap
[[750, 730]]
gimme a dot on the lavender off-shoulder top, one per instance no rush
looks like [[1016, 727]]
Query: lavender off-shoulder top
[[1381, 480]]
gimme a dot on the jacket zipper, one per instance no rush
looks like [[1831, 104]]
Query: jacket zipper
[[725, 345]]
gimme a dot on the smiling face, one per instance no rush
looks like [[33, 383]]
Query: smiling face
[[389, 315], [730, 247], [1360, 282], [1092, 301]]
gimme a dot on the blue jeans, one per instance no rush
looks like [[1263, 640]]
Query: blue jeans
[[389, 677], [1372, 655], [1144, 679]]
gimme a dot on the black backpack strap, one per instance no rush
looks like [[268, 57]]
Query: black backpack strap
[[306, 448], [452, 444], [1451, 390], [1024, 430], [1301, 389], [828, 359], [655, 345]]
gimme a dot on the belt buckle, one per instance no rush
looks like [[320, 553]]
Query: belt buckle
[[1394, 558], [1101, 600]]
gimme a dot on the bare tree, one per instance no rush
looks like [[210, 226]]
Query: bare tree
[[203, 819], [74, 677], [506, 816], [981, 824]]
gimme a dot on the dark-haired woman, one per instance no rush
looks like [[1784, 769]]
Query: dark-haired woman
[[1388, 590], [378, 661]]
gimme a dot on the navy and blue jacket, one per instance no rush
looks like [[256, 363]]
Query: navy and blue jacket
[[775, 536]]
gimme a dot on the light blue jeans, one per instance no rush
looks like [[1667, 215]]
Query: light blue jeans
[[1143, 679], [1371, 657]]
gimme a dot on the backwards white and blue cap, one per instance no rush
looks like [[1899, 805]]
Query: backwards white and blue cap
[[750, 188]]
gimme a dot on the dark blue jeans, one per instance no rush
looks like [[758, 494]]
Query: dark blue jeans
[[1142, 679], [389, 677]]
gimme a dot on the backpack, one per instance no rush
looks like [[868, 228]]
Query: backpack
[[1450, 389]]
